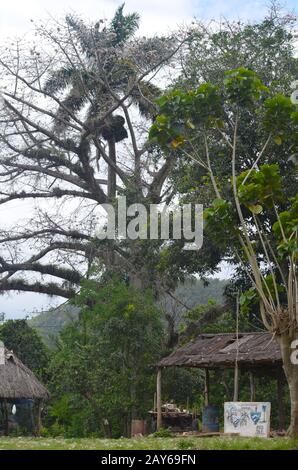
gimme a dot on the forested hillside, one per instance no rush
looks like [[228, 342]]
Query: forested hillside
[[191, 293]]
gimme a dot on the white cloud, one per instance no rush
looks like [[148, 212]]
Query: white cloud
[[157, 15]]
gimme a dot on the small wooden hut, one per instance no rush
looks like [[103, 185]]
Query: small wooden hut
[[255, 353], [18, 384]]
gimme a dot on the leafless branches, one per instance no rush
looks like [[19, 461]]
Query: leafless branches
[[57, 101]]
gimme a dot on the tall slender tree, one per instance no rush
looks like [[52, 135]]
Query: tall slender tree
[[253, 216]]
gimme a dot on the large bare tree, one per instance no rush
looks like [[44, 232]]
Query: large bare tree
[[76, 104]]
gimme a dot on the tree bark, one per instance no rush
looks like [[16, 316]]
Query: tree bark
[[291, 372], [111, 171], [280, 400]]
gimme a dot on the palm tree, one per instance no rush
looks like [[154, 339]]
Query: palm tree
[[101, 71]]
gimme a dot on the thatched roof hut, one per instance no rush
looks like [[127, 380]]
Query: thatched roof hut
[[19, 384], [213, 351], [257, 354], [16, 380]]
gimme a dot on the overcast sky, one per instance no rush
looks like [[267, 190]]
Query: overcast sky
[[158, 16]]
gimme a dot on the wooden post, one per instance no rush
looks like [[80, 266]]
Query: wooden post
[[236, 370], [280, 402], [5, 417], [158, 400], [38, 423], [236, 382], [252, 386], [206, 388], [107, 429]]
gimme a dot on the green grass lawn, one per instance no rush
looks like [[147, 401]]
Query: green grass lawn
[[184, 443]]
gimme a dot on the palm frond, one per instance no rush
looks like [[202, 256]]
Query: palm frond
[[124, 26], [74, 102], [144, 96], [82, 33], [83, 81], [59, 80]]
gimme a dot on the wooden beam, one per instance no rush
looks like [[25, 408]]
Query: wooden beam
[[206, 387], [158, 400], [252, 386]]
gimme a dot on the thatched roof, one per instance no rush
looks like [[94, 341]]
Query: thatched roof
[[219, 350], [16, 380]]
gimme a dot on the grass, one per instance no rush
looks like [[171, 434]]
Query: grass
[[148, 443]]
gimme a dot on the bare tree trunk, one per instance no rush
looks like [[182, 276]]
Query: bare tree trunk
[[111, 171], [133, 397], [291, 372], [280, 400]]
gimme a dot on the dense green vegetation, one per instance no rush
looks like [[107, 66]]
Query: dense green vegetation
[[91, 372], [101, 372], [192, 293], [28, 346]]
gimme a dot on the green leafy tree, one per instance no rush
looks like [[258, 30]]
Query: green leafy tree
[[207, 54], [106, 358], [267, 47], [253, 215], [25, 342]]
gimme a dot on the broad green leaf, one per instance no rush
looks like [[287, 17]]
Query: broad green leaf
[[255, 209]]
